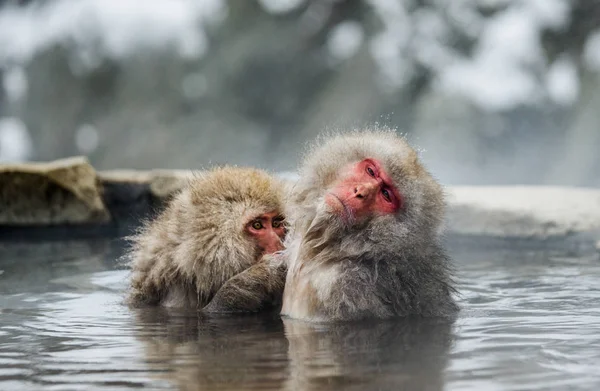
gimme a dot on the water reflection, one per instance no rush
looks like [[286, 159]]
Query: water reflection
[[214, 353], [408, 354], [264, 352]]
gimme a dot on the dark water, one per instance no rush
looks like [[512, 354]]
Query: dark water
[[531, 321]]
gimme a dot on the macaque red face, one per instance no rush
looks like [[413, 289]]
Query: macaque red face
[[364, 189], [268, 231]]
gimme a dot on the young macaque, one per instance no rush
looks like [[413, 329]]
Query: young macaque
[[224, 221], [364, 238], [364, 241]]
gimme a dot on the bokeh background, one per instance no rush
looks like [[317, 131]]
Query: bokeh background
[[491, 91]]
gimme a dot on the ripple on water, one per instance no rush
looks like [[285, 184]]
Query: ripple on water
[[524, 325], [538, 328]]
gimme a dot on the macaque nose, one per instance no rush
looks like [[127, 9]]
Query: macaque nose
[[363, 190], [278, 245], [274, 243], [274, 246]]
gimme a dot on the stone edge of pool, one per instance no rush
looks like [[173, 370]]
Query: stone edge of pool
[[69, 198]]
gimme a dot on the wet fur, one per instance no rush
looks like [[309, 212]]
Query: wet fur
[[388, 266], [183, 257], [258, 288]]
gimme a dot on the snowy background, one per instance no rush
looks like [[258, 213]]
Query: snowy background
[[491, 91]]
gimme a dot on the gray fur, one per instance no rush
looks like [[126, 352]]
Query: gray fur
[[384, 267]]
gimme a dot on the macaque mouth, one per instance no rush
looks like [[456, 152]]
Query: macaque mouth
[[339, 206]]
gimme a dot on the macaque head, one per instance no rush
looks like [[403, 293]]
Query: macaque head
[[367, 182], [268, 231], [238, 212]]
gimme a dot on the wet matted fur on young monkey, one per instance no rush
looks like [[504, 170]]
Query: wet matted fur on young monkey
[[222, 222], [364, 238]]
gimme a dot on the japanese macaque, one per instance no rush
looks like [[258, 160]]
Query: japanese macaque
[[224, 221], [365, 234]]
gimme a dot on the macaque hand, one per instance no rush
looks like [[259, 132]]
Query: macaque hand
[[256, 288]]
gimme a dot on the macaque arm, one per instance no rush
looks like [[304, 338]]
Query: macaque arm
[[256, 288]]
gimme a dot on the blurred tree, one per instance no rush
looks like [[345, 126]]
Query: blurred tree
[[495, 91]]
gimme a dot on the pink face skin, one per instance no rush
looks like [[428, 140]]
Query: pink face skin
[[364, 189], [268, 231]]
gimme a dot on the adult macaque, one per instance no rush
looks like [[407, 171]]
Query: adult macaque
[[219, 225], [364, 240], [365, 243]]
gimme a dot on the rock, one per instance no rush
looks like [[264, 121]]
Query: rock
[[124, 176], [160, 184], [131, 195], [126, 194], [68, 199], [65, 191], [164, 183], [523, 212]]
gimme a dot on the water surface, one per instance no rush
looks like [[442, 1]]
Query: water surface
[[530, 321]]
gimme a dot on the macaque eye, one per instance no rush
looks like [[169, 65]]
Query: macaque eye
[[277, 223], [386, 194], [371, 172], [257, 225]]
